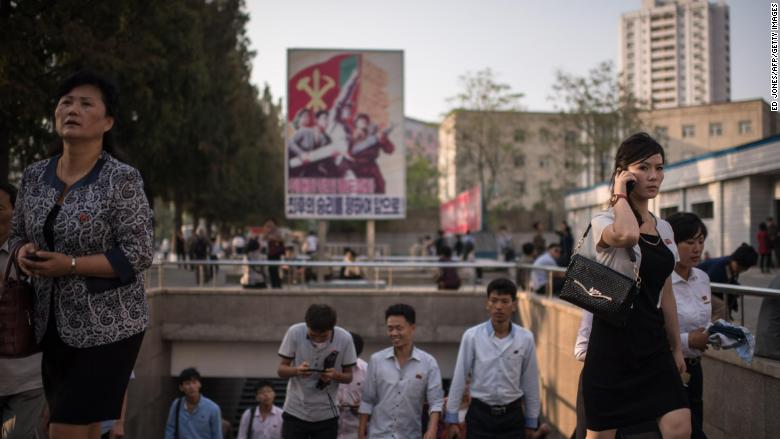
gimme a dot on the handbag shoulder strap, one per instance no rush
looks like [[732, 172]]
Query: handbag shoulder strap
[[176, 428], [13, 255], [251, 421], [629, 250]]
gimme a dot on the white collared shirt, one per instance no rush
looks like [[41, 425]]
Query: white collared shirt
[[694, 305], [394, 395], [583, 336], [349, 396], [618, 258], [270, 428], [502, 370], [539, 277]]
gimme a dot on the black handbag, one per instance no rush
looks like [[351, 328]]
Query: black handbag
[[17, 301], [606, 293]]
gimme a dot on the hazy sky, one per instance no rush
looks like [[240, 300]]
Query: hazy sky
[[523, 41]]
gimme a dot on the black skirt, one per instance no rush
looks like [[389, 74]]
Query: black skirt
[[630, 376], [86, 385]]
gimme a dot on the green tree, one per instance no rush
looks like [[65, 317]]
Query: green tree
[[243, 144], [600, 111], [478, 132], [421, 184]]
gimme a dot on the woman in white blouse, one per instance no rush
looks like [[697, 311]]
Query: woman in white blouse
[[691, 288]]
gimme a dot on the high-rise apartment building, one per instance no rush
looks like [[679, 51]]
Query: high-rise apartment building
[[674, 53]]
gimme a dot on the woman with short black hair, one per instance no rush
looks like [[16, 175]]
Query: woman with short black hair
[[694, 307], [86, 226]]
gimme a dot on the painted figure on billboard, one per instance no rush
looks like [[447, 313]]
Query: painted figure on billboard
[[342, 156]]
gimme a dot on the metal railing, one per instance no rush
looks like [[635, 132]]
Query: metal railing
[[383, 271]]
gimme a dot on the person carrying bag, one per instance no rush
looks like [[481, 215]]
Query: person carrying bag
[[17, 334], [634, 361]]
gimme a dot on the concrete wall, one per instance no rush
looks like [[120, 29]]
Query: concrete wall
[[740, 401], [236, 333], [151, 392], [554, 324], [231, 332]]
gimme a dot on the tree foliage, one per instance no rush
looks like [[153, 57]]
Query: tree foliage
[[479, 133], [600, 111], [422, 180], [189, 118]]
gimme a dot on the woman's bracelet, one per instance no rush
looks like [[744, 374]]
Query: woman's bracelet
[[72, 265]]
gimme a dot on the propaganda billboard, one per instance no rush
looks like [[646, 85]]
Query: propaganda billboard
[[463, 213], [345, 155]]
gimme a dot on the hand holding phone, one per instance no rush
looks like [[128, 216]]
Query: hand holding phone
[[33, 257], [624, 181]]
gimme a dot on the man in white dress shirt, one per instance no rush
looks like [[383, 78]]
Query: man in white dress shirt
[[501, 359], [266, 418], [400, 379]]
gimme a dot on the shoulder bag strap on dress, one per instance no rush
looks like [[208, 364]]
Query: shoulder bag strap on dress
[[629, 250]]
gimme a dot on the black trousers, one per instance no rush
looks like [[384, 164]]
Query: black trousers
[[482, 422], [695, 390], [273, 272], [296, 428]]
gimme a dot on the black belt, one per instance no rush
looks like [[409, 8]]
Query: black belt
[[498, 410]]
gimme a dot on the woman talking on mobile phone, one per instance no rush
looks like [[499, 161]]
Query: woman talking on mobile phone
[[632, 373]]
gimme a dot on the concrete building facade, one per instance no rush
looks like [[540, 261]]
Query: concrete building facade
[[676, 52], [528, 151], [732, 190], [421, 139], [689, 131]]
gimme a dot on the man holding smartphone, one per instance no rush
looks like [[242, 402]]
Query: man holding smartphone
[[316, 356]]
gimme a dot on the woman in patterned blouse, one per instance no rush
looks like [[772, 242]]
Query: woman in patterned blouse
[[87, 229]]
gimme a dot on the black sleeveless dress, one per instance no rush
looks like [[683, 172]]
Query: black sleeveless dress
[[630, 376]]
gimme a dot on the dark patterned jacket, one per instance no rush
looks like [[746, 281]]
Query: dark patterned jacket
[[105, 212]]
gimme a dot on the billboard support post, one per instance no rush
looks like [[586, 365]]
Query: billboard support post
[[370, 239], [322, 233]]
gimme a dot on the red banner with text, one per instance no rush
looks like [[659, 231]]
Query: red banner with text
[[463, 213]]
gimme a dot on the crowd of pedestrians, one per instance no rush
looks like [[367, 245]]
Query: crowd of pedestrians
[[82, 226]]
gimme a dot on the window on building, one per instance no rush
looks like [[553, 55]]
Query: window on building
[[544, 135], [662, 132], [716, 129], [745, 127], [519, 135], [704, 209], [688, 131], [519, 160], [666, 212], [570, 138], [520, 187]]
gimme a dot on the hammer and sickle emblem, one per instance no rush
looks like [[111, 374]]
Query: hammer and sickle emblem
[[316, 90]]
